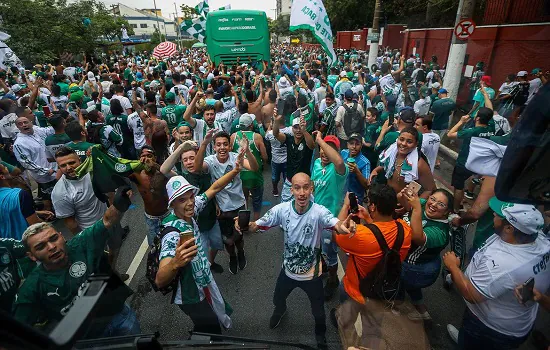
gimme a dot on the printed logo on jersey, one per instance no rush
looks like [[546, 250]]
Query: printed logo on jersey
[[301, 147], [5, 258], [119, 167], [77, 269], [307, 230]]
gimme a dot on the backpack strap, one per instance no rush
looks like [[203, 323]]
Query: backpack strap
[[400, 237], [379, 237]]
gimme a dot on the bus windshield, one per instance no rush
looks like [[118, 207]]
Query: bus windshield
[[237, 33]]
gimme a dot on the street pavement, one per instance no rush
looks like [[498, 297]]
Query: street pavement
[[250, 291]]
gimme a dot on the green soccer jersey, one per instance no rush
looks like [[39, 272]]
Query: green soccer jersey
[[40, 118], [391, 137], [466, 137], [10, 272], [329, 186], [129, 75], [50, 294], [478, 97], [173, 115], [250, 179], [120, 124], [54, 142], [80, 148], [442, 110], [332, 79], [235, 126]]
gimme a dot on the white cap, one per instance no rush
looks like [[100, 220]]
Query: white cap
[[202, 69], [296, 121], [168, 73], [252, 73], [436, 85], [343, 74], [522, 73], [524, 217], [91, 77], [283, 83], [178, 186]]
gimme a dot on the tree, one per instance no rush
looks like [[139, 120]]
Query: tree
[[157, 37], [42, 30], [187, 12]]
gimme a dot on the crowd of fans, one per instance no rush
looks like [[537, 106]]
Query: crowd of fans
[[352, 152]]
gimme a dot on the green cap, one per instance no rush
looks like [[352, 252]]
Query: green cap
[[496, 205], [76, 96], [74, 89], [170, 97]]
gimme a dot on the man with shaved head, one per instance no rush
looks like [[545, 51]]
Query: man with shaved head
[[302, 222]]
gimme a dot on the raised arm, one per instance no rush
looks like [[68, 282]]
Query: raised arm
[[188, 115], [225, 180], [199, 158], [452, 134], [276, 125], [333, 155]]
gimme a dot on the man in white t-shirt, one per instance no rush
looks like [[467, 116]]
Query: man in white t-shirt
[[302, 222], [430, 140], [422, 105], [534, 84], [124, 101], [517, 252], [231, 199]]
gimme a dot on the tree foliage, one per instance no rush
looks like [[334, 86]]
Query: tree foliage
[[187, 12], [42, 30]]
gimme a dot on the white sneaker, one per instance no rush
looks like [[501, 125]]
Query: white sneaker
[[417, 316], [453, 332]]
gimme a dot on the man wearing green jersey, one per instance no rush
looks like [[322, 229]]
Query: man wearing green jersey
[[58, 139], [121, 123], [172, 113], [77, 134], [52, 288], [102, 134], [329, 176], [253, 181]]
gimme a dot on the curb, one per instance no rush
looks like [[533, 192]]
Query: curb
[[448, 152]]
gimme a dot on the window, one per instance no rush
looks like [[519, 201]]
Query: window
[[143, 25], [133, 25]]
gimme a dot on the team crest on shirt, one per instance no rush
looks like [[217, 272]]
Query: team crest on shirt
[[77, 269], [5, 258], [301, 147], [119, 167], [307, 230]]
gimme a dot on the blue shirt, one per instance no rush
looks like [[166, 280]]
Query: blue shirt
[[353, 184], [13, 222]]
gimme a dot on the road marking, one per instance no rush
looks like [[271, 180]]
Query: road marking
[[137, 260]]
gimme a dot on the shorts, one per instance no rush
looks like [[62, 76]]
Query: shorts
[[257, 194], [154, 224], [212, 239], [460, 175], [227, 225], [45, 190]]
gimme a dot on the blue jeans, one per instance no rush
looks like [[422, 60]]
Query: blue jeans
[[257, 194], [330, 249], [123, 323], [277, 169], [416, 277], [154, 224], [474, 335]]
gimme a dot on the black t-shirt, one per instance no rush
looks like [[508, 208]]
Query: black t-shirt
[[298, 158], [26, 204]]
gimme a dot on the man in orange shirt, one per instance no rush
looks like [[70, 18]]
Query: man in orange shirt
[[364, 254]]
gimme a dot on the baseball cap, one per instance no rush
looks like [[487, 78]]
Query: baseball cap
[[74, 88], [486, 79], [536, 71], [436, 85], [18, 87], [168, 73], [283, 83], [296, 121], [343, 74], [407, 115], [170, 96], [139, 76], [91, 77], [202, 69], [522, 73], [356, 136], [524, 217], [348, 95], [246, 120], [442, 91], [178, 186], [332, 139], [425, 90]]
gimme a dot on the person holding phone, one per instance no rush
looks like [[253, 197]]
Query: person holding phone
[[188, 260], [517, 252]]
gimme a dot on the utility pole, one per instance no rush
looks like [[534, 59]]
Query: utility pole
[[177, 25], [375, 32], [457, 52], [158, 23]]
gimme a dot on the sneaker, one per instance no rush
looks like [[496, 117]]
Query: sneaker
[[417, 316], [453, 332], [275, 192], [330, 289], [242, 260], [275, 319], [215, 267], [469, 195], [321, 342], [233, 264]]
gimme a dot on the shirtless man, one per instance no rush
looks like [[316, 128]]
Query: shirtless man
[[152, 124], [267, 110], [256, 106], [151, 185]]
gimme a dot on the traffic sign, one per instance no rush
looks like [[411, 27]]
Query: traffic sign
[[373, 36], [295, 40], [465, 28]]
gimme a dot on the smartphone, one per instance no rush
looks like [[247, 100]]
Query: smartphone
[[353, 205], [390, 120], [185, 236], [244, 219], [176, 90], [46, 111], [414, 186], [527, 290], [280, 106]]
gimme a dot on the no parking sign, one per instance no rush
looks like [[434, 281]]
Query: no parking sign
[[464, 29]]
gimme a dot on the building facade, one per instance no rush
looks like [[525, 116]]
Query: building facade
[[283, 7], [144, 22]]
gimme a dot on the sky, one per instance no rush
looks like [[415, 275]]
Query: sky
[[167, 6]]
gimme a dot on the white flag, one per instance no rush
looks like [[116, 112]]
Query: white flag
[[311, 15], [8, 58]]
